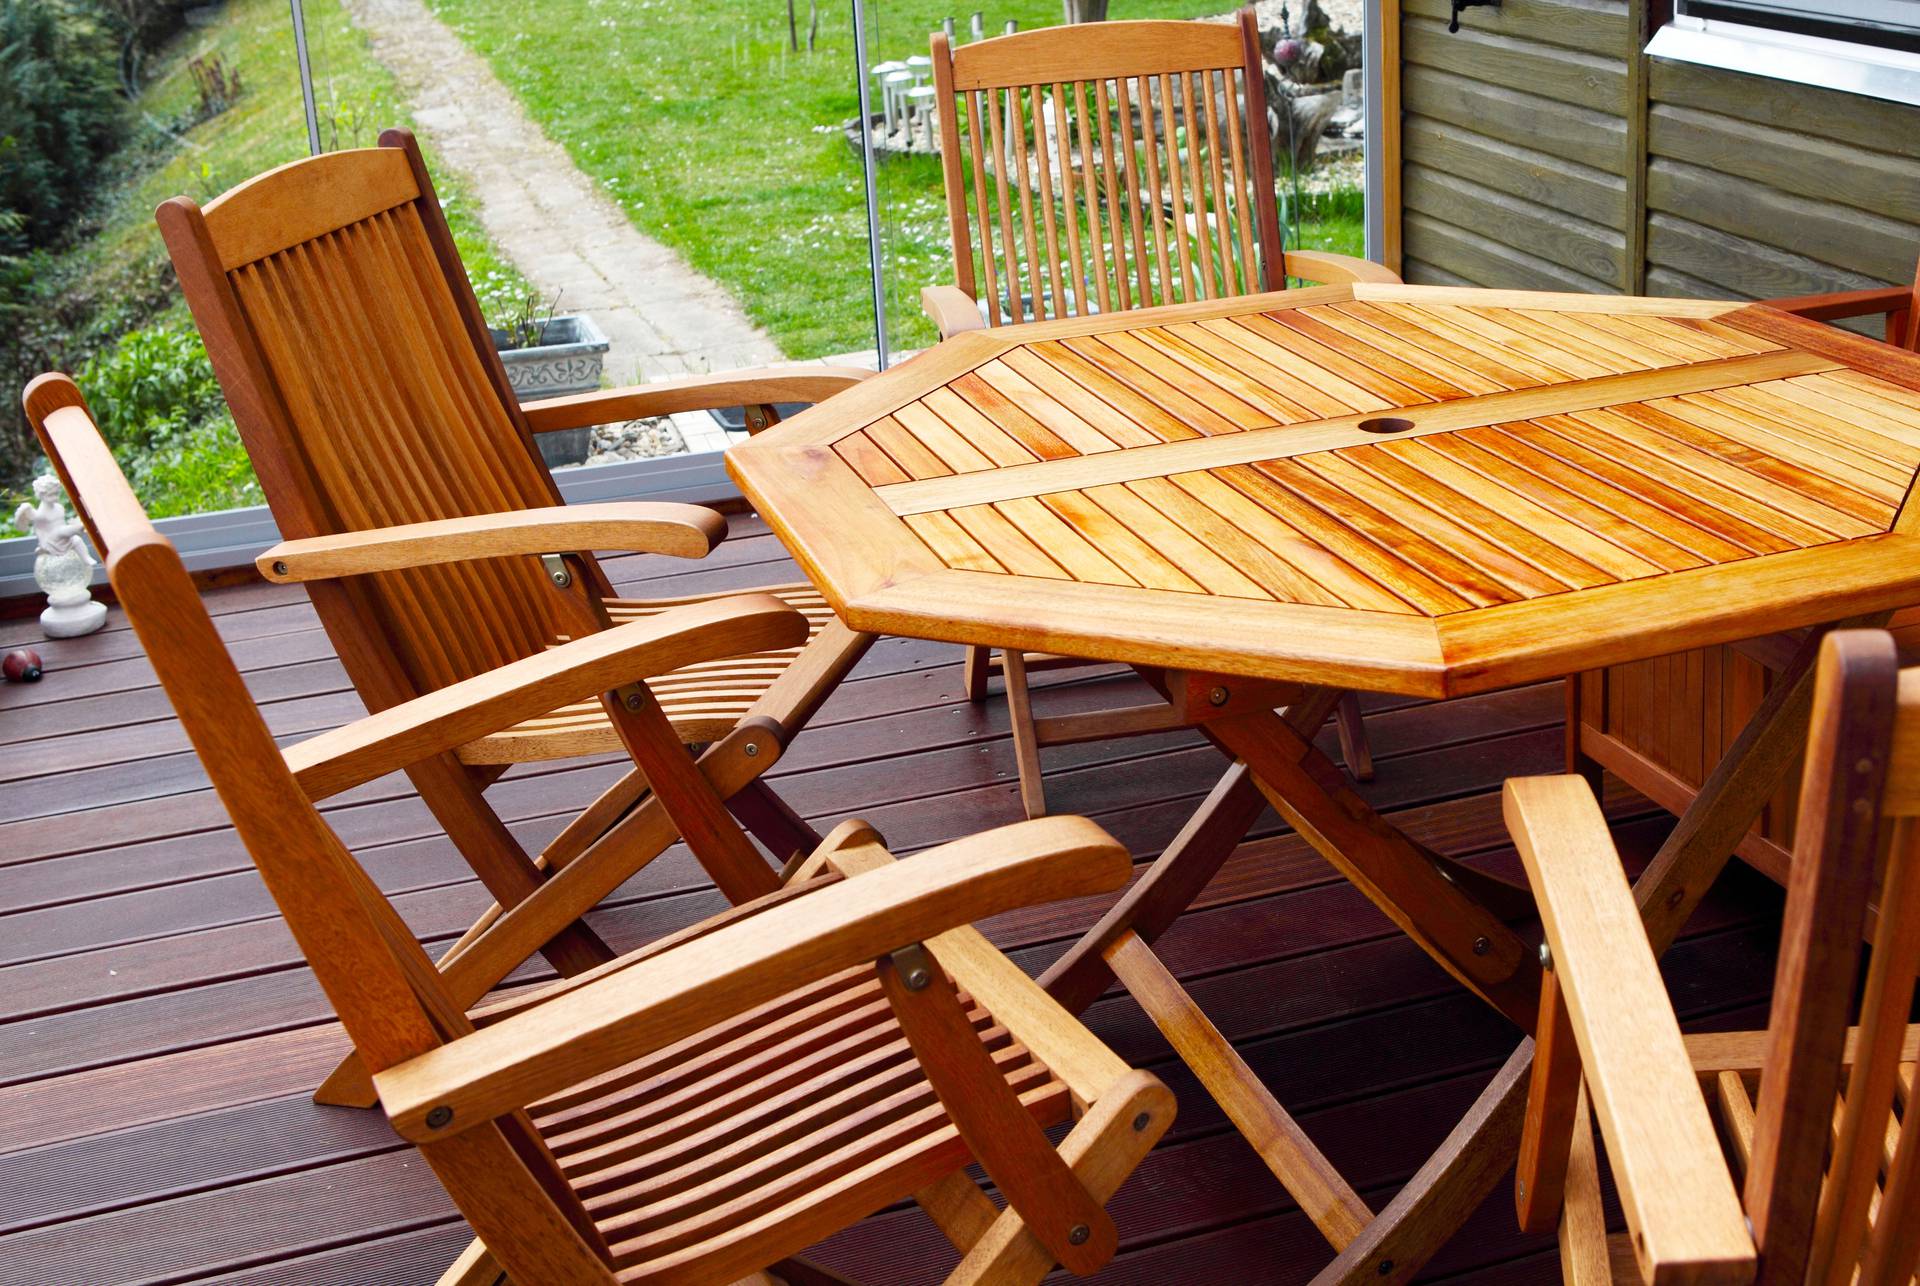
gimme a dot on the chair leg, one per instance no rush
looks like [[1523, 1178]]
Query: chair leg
[[457, 803], [974, 675], [1432, 1205], [475, 1267], [1026, 742], [958, 1207], [1354, 750], [1322, 1192], [773, 822], [1103, 1148]]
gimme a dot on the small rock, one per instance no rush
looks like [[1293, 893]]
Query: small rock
[[647, 439]]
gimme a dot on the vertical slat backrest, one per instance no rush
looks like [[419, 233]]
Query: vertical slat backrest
[[348, 350], [1107, 166], [1857, 840], [382, 986]]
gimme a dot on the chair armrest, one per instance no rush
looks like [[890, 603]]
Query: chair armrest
[[1673, 1182], [648, 527], [670, 996], [951, 310], [451, 716], [1845, 303], [1330, 269], [760, 386]]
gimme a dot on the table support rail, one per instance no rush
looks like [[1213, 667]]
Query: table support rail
[[1455, 912]]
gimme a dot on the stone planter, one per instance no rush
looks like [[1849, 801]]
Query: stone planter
[[569, 361]]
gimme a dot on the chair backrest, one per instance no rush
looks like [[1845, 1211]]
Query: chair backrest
[[381, 984], [368, 392], [1855, 879], [1135, 156]]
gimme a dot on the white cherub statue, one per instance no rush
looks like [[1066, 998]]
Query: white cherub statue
[[61, 565]]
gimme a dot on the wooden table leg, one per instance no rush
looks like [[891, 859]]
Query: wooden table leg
[[1458, 1177], [1418, 890], [1732, 797], [1276, 760], [1441, 1195], [1460, 924], [1168, 888]]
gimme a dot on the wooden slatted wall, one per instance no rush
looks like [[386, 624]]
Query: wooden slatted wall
[[1761, 188], [1515, 145], [1539, 150]]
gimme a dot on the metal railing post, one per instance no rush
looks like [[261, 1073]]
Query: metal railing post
[[874, 254], [306, 77]]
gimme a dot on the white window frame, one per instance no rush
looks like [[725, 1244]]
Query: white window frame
[[1849, 66]]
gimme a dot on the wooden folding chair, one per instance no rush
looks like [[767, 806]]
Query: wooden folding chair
[[1134, 163], [436, 548], [1818, 1127], [704, 1108], [1900, 305]]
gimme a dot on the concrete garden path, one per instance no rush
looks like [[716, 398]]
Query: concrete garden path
[[556, 225]]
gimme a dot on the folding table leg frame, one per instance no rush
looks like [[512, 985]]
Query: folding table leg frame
[[1451, 911]]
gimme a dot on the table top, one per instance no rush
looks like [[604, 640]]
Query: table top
[[1414, 489]]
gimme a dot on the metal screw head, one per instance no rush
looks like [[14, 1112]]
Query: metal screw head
[[438, 1118], [1078, 1234], [633, 701], [1520, 1188], [1546, 957], [1141, 1122], [1481, 946], [1386, 1267], [1676, 897], [916, 969], [753, 750], [1218, 696], [279, 568]]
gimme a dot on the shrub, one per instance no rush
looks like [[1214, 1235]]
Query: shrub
[[152, 388], [156, 400], [58, 116], [204, 469]]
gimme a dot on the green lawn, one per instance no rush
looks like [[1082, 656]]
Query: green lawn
[[694, 115]]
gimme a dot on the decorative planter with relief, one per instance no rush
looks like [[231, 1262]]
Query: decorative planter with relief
[[568, 360]]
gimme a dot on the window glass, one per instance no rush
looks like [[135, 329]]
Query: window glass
[[147, 100]]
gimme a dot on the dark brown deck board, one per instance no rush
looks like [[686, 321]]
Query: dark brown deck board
[[158, 1032]]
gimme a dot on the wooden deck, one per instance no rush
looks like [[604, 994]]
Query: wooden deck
[[159, 1033]]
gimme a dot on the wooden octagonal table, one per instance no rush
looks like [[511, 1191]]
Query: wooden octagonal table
[[1264, 501]]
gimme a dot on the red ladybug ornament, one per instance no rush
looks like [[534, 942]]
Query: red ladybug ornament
[[22, 665]]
